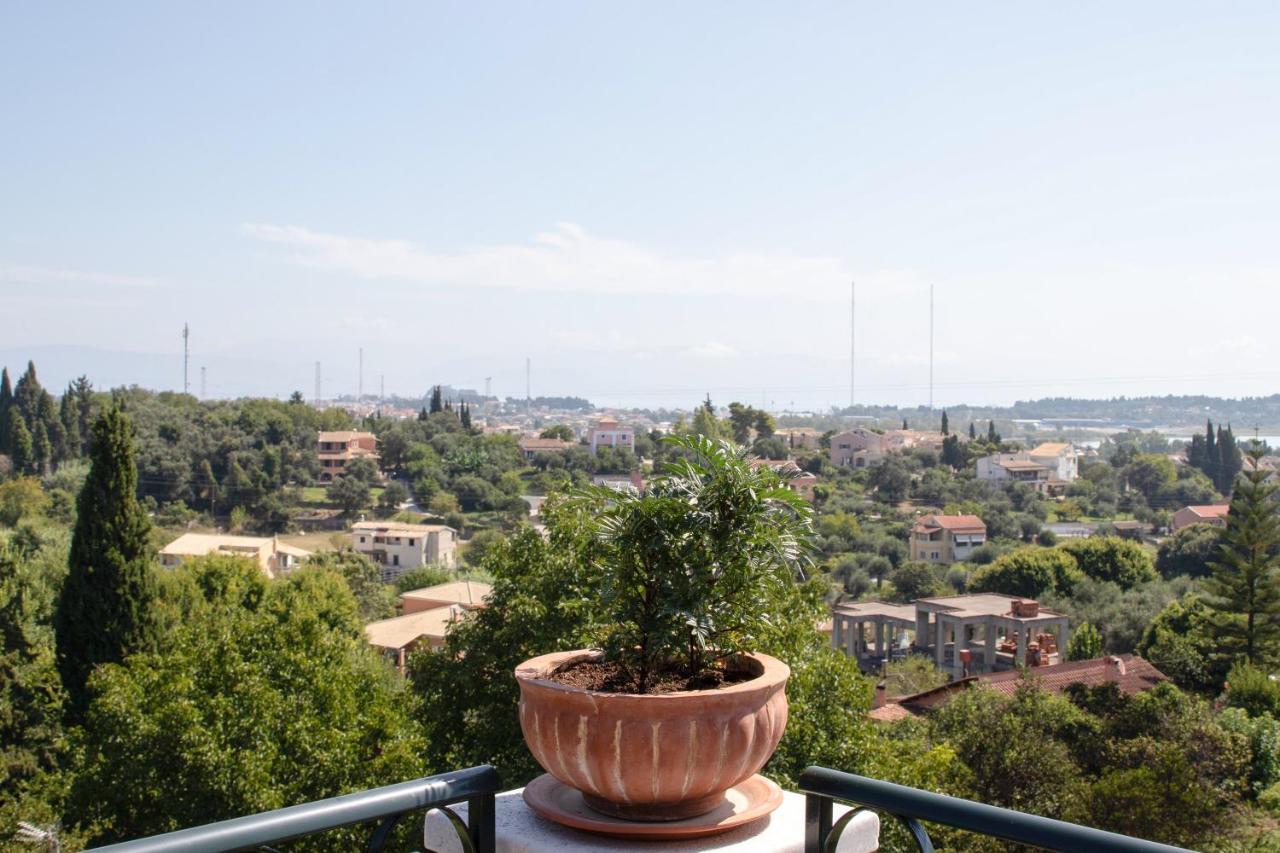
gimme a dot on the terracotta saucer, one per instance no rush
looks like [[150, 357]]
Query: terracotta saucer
[[745, 802]]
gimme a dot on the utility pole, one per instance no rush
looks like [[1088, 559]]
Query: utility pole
[[931, 347], [488, 385], [186, 358], [382, 388], [853, 330], [203, 389]]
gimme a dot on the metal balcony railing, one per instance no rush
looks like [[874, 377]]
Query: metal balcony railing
[[822, 787], [475, 786]]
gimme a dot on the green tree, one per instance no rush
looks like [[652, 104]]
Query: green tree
[[41, 448], [1028, 572], [1151, 474], [237, 715], [350, 493], [1085, 643], [437, 400], [1111, 558], [952, 453], [421, 577], [105, 611], [20, 498], [392, 496], [946, 428], [1189, 551], [913, 580], [1244, 587], [19, 444], [560, 431], [1252, 690], [31, 738], [6, 403], [705, 422], [1230, 460], [374, 600]]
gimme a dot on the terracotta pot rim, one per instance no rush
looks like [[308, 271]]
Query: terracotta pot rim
[[533, 671]]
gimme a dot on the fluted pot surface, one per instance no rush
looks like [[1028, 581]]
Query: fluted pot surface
[[652, 757]]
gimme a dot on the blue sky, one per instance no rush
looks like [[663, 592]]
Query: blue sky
[[650, 202]]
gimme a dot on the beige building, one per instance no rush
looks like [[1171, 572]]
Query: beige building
[[271, 555], [531, 447], [397, 547], [400, 636], [800, 438], [946, 538], [1215, 514], [861, 446], [336, 449], [469, 595]]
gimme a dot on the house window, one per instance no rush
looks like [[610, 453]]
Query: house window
[[395, 559], [361, 540], [412, 542]]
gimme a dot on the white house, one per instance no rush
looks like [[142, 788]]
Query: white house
[[397, 547], [1059, 457]]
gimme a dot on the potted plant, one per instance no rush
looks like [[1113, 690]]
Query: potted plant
[[675, 707]]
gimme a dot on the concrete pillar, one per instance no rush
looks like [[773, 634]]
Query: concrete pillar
[[922, 629], [852, 638], [837, 626], [1020, 656], [940, 640], [989, 653], [879, 639]]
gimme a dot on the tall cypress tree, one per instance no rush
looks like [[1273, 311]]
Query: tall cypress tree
[[18, 442], [973, 432], [1195, 452], [69, 415], [6, 403], [83, 390], [41, 448], [1244, 587], [465, 416], [106, 609], [27, 394], [945, 429], [437, 400], [1211, 457], [1230, 460]]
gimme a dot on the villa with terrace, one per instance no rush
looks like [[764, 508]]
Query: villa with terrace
[[964, 634]]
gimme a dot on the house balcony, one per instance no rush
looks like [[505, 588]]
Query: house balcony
[[466, 811]]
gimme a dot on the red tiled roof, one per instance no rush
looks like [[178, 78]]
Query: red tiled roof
[[1139, 675], [890, 713], [952, 522], [1211, 510]]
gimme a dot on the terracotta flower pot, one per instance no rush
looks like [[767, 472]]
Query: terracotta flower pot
[[652, 757]]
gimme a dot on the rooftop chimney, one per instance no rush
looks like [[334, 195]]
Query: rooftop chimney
[[1115, 668]]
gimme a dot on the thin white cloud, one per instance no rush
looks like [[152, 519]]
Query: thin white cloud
[[566, 259], [25, 274]]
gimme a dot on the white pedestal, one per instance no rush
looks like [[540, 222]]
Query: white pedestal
[[519, 830]]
